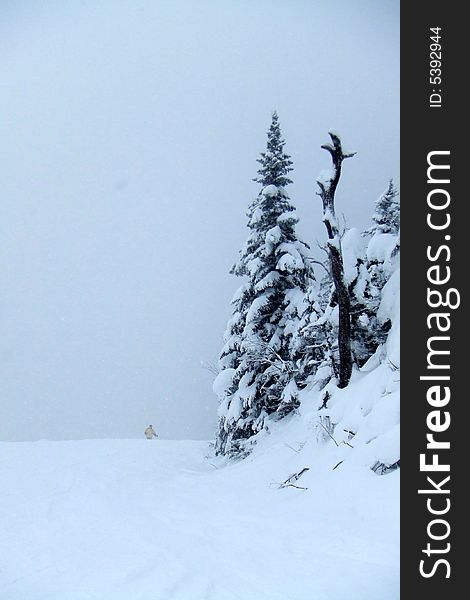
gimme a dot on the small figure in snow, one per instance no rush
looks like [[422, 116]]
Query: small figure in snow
[[150, 433]]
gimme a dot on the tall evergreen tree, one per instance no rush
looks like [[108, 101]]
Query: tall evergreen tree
[[386, 217], [255, 362]]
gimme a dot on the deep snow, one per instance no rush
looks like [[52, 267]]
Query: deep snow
[[131, 519]]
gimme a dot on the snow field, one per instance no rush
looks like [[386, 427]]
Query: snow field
[[132, 519]]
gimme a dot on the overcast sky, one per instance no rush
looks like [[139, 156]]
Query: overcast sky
[[128, 140]]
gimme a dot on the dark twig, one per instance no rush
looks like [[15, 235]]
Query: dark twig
[[293, 477], [329, 434]]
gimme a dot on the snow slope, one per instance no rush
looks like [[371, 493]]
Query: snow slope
[[131, 519]]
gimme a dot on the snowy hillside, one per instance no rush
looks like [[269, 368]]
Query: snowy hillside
[[169, 520], [131, 520]]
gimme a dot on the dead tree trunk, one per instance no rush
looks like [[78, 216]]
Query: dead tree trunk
[[328, 182]]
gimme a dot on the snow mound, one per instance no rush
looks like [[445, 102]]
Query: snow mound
[[381, 247]]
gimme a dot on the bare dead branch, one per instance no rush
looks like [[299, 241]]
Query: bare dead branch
[[329, 434], [300, 447], [294, 477], [299, 487], [318, 262], [293, 449]]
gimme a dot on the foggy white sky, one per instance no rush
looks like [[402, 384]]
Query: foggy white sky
[[128, 139]]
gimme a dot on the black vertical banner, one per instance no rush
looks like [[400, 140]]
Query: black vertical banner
[[435, 252]]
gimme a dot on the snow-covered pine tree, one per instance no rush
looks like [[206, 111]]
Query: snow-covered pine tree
[[386, 217], [309, 345], [374, 269], [256, 372]]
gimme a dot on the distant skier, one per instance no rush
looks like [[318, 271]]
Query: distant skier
[[150, 433]]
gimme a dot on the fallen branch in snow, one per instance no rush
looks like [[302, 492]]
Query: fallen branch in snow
[[329, 434], [300, 446], [351, 435], [381, 468], [293, 449], [293, 477], [299, 487]]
